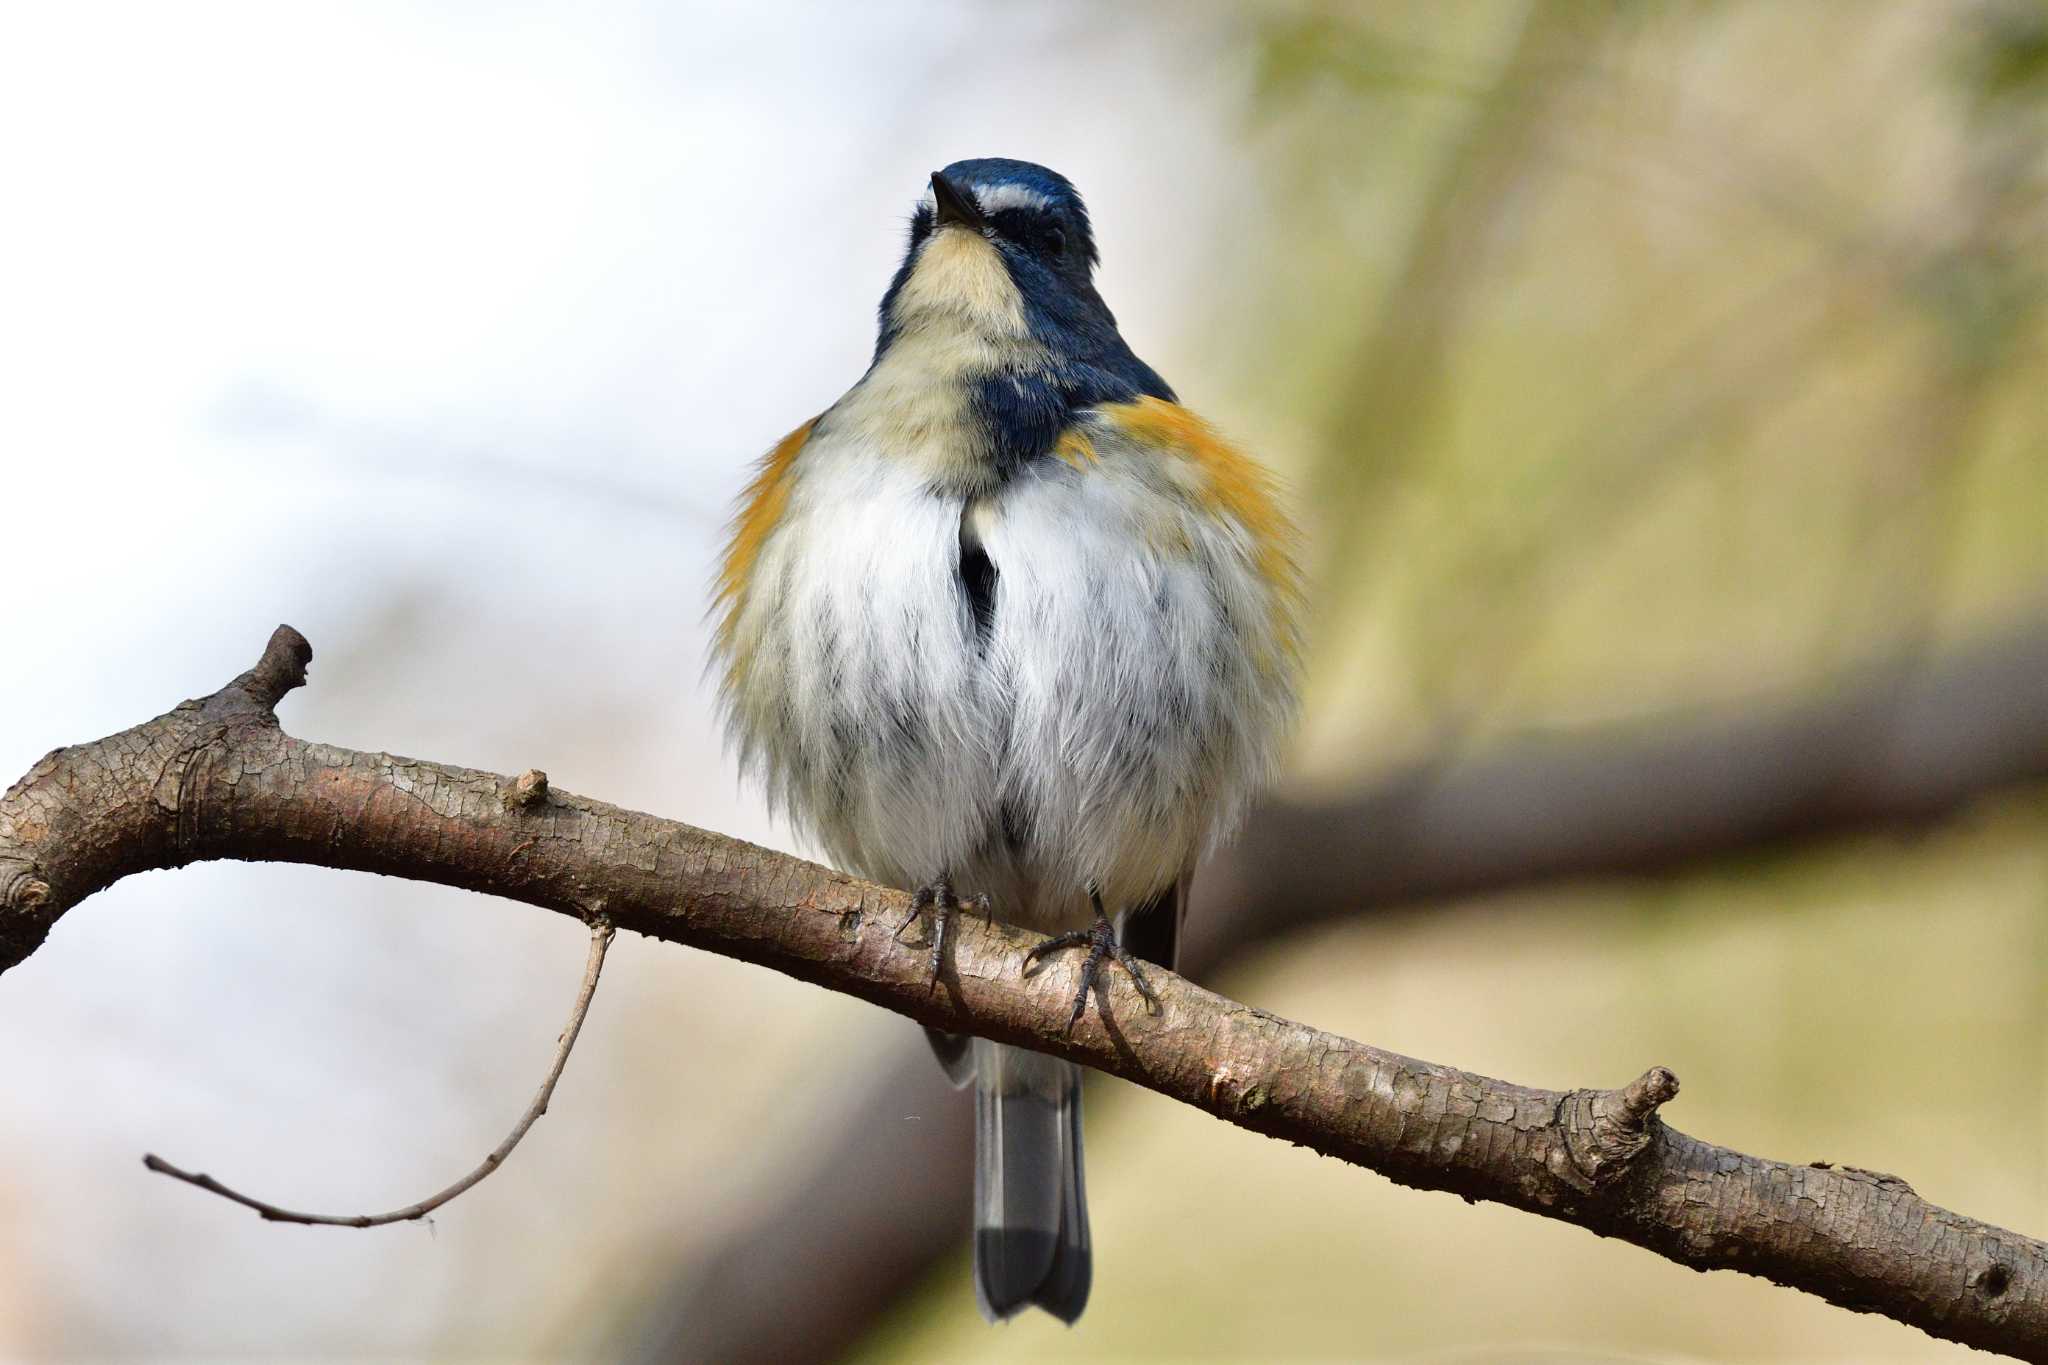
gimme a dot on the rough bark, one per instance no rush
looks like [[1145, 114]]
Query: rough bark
[[218, 778]]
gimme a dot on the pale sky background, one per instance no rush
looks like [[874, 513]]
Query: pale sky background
[[446, 334]]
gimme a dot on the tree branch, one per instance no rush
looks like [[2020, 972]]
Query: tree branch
[[218, 778], [1898, 744]]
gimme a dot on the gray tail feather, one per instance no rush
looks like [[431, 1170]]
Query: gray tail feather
[[1030, 1205], [955, 1054]]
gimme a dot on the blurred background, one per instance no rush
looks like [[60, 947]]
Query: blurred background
[[1661, 385]]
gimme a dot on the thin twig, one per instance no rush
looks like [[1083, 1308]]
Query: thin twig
[[600, 939]]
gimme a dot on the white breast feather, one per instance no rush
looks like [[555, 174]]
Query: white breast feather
[[1116, 722], [1129, 628], [878, 738]]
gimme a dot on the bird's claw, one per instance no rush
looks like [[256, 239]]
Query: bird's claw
[[936, 900], [1101, 942]]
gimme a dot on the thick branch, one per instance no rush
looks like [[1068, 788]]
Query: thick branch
[[1900, 743], [218, 778]]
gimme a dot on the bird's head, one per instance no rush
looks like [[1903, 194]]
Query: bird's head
[[1003, 249]]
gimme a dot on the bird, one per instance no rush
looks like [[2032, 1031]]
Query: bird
[[1010, 628]]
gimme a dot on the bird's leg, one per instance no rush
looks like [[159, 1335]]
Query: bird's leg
[[935, 900], [1100, 941]]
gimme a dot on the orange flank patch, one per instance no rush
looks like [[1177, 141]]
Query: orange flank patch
[[1239, 485], [1075, 448], [761, 508]]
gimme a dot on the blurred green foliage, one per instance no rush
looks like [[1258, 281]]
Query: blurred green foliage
[[1630, 356]]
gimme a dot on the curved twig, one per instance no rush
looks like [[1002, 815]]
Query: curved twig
[[218, 778], [600, 939]]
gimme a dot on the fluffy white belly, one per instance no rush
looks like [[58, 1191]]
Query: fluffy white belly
[[865, 700], [1091, 738]]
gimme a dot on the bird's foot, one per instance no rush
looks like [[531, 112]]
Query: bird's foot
[[934, 905], [1100, 941]]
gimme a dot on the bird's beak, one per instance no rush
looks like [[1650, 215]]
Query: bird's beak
[[956, 205]]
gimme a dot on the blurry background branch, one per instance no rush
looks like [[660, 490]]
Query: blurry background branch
[[218, 778], [1897, 748], [1899, 745]]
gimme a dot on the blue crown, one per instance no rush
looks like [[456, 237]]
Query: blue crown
[[988, 177]]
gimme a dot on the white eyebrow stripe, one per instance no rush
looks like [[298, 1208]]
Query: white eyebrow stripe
[[996, 198]]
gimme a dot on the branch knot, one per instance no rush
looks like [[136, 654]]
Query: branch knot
[[282, 668], [23, 890], [27, 910], [530, 788], [1606, 1130]]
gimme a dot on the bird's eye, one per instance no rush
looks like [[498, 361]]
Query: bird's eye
[[1056, 244]]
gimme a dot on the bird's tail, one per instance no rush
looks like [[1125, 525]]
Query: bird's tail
[[1030, 1207]]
